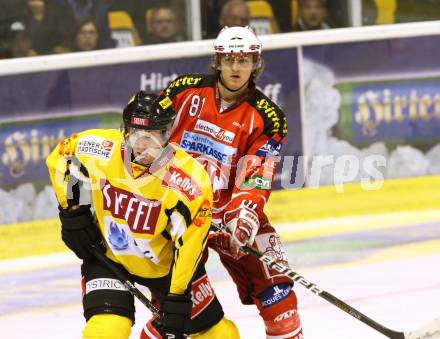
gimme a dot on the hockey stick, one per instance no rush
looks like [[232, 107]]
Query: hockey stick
[[429, 331], [127, 283], [72, 182]]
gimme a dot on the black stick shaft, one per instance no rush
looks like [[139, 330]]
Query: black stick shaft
[[273, 264]]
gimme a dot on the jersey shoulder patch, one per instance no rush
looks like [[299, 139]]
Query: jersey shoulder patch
[[188, 81], [97, 143], [275, 121], [67, 146]]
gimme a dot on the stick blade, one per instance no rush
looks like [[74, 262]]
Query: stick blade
[[429, 331]]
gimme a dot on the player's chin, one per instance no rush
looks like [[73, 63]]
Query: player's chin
[[145, 161], [236, 83]]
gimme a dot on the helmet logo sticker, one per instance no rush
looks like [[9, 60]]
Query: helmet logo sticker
[[139, 121], [165, 102]]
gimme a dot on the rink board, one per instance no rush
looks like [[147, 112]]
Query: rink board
[[297, 214]]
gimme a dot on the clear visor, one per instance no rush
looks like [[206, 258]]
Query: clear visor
[[146, 145], [247, 61]]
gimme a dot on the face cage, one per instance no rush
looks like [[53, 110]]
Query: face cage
[[133, 134], [256, 59], [165, 132]]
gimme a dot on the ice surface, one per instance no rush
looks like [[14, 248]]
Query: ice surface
[[390, 275]]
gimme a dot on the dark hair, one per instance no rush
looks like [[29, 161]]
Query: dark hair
[[301, 2], [79, 25], [168, 6]]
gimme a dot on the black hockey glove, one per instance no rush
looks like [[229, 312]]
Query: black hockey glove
[[176, 316], [78, 231]]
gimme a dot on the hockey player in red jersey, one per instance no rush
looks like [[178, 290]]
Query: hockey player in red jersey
[[236, 132]]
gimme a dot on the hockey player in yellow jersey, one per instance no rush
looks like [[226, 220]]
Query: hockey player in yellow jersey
[[147, 205]]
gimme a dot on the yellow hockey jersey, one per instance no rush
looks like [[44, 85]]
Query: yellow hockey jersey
[[153, 220]]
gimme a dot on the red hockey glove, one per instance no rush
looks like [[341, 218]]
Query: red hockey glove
[[243, 223], [222, 242]]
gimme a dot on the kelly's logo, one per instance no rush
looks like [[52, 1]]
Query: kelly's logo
[[181, 182], [202, 295]]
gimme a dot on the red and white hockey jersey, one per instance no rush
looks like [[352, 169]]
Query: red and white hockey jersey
[[239, 146]]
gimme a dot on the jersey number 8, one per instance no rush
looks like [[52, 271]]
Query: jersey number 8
[[195, 103]]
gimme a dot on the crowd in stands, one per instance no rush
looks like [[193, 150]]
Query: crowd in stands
[[41, 27]]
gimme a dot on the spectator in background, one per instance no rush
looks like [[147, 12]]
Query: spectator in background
[[86, 37], [282, 10], [312, 15], [4, 43], [96, 10], [164, 26], [45, 21], [10, 11], [210, 10], [20, 42], [234, 13]]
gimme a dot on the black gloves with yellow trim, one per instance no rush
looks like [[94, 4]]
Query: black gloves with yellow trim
[[79, 232], [175, 322]]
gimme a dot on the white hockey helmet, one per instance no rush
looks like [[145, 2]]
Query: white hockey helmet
[[237, 39]]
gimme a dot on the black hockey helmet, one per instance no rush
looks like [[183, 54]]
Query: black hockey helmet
[[148, 111]]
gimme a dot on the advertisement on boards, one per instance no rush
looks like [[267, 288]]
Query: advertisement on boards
[[372, 109], [24, 146], [79, 97]]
